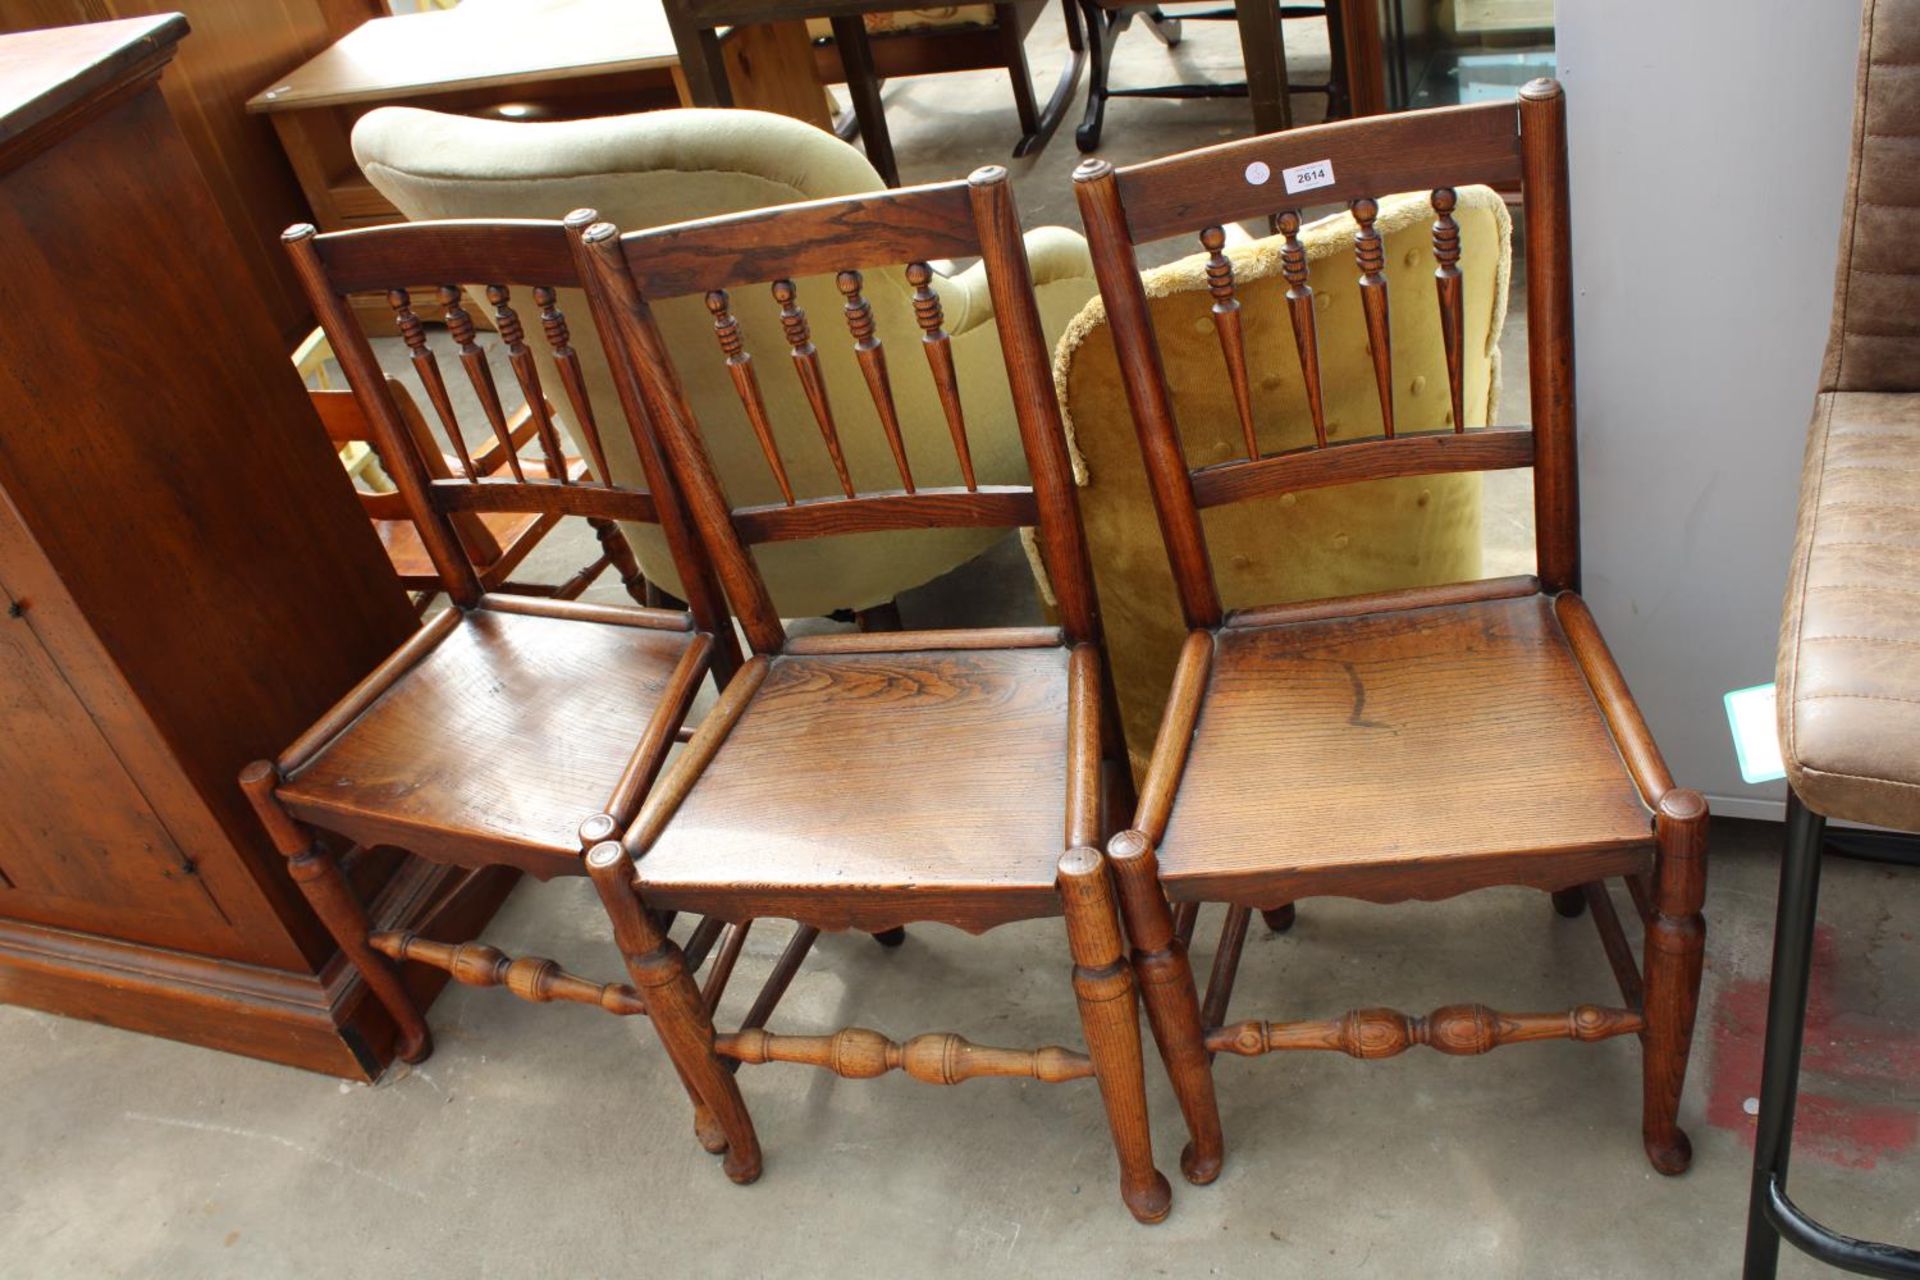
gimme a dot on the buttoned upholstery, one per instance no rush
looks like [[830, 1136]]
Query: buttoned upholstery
[[1849, 661]]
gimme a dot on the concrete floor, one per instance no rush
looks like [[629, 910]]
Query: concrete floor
[[555, 1141], [546, 1140]]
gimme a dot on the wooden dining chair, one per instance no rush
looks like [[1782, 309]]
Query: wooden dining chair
[[506, 719], [1415, 744], [497, 542], [869, 780]]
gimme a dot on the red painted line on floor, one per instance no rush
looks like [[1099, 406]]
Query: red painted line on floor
[[1852, 1068]]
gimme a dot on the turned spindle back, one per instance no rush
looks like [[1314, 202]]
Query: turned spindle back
[[754, 259], [1352, 163], [441, 477]]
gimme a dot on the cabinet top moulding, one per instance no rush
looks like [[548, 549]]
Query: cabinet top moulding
[[53, 80]]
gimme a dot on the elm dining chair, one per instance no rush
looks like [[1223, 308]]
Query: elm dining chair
[[867, 781], [506, 719], [1410, 745]]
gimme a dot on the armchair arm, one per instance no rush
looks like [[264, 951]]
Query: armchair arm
[[1054, 254]]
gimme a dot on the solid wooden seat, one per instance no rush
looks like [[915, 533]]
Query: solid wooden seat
[[1329, 753], [856, 838], [495, 744]]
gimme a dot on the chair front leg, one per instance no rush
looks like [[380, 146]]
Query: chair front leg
[[315, 869], [1676, 939], [675, 1006], [1173, 1007], [1110, 1019]]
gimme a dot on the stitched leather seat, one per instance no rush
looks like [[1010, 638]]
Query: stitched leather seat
[[1849, 663], [1849, 678]]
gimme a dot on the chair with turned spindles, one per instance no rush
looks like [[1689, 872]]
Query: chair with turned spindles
[[506, 720], [870, 780], [1417, 744]]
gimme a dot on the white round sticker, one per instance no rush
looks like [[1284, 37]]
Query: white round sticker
[[1258, 173]]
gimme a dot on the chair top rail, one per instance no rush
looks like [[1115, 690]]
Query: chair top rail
[[818, 237], [1443, 147], [456, 251]]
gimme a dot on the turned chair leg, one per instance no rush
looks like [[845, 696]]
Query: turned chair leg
[[674, 1006], [619, 553], [1676, 939], [1173, 1008], [1569, 903], [1110, 1019], [317, 872]]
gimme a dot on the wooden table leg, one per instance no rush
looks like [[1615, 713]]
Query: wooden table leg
[[856, 59], [1266, 61], [771, 65], [763, 67]]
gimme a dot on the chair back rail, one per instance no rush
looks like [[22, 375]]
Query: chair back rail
[[847, 239], [1356, 162], [515, 265]]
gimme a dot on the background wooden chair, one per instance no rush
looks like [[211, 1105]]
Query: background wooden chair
[[959, 37], [865, 781], [497, 542], [1408, 745], [1261, 43], [505, 720]]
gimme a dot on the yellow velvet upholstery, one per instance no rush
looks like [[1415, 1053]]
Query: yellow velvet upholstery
[[673, 166], [1320, 543]]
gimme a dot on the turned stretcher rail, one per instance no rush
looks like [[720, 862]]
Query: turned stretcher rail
[[532, 978], [1458, 1029], [934, 1058]]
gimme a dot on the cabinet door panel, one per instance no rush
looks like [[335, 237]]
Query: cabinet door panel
[[79, 843]]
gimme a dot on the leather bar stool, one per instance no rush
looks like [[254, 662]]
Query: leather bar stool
[[1849, 665]]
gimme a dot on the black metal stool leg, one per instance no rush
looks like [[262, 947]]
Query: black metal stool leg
[[1770, 1214], [1786, 1024]]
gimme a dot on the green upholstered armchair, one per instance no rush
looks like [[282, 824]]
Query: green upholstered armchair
[[675, 166], [1325, 542]]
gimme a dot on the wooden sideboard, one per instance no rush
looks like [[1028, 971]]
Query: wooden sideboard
[[188, 583], [237, 47]]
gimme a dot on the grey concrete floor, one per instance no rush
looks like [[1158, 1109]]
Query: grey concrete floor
[[546, 1140], [554, 1141]]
